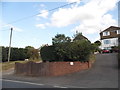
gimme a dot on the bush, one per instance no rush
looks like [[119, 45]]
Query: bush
[[20, 53], [72, 51], [5, 54], [48, 53], [16, 54], [63, 49], [79, 50]]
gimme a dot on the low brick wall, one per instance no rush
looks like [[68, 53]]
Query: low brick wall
[[50, 68]]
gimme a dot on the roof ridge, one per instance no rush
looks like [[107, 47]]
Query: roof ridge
[[111, 28]]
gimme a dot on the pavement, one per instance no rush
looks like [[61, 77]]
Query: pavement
[[103, 74]]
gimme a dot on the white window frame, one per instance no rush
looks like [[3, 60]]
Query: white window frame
[[107, 42], [107, 33], [118, 31]]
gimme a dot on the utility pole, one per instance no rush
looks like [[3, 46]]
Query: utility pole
[[10, 45]]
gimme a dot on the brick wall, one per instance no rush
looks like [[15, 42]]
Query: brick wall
[[50, 68]]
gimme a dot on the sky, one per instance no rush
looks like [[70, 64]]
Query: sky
[[34, 25]]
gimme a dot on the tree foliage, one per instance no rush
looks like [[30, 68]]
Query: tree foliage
[[32, 53], [98, 43], [48, 53], [66, 50], [95, 46], [20, 53], [79, 36], [60, 38]]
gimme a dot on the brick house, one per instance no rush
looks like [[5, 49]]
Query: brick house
[[109, 37]]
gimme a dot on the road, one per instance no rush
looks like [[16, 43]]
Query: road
[[23, 84], [103, 74]]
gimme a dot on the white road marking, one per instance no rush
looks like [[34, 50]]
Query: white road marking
[[59, 87], [70, 86], [41, 84], [22, 82]]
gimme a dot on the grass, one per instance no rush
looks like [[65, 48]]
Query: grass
[[0, 67], [92, 58], [8, 65]]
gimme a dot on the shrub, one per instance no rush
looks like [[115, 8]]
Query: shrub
[[73, 51], [79, 50], [48, 53], [63, 49], [16, 54]]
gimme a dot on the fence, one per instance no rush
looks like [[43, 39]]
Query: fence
[[50, 68]]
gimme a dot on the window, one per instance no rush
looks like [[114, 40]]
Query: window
[[118, 31], [106, 41], [115, 31], [106, 33]]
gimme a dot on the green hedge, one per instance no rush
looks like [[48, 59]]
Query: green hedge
[[79, 50], [72, 51], [16, 54], [48, 53]]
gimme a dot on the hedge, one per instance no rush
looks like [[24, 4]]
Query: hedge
[[72, 51], [48, 53], [16, 54]]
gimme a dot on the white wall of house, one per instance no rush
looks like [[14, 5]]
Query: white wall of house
[[108, 43]]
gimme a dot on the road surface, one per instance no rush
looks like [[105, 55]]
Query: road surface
[[23, 84], [103, 74]]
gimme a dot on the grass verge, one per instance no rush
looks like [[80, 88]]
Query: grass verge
[[92, 58], [8, 65]]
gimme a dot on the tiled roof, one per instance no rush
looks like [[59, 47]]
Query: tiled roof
[[111, 28]]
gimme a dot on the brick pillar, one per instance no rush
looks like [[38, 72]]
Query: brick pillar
[[89, 64]]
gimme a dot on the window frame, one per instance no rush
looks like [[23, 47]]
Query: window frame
[[107, 41], [118, 31], [106, 33]]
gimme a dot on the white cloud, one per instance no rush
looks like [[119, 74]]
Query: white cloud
[[91, 16], [95, 25], [43, 13], [108, 20], [42, 5], [12, 26], [42, 26]]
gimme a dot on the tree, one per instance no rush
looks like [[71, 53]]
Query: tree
[[79, 36], [35, 54], [60, 38], [5, 54], [95, 46], [79, 50], [61, 50], [32, 53], [65, 50], [16, 54], [29, 51], [48, 53], [98, 43]]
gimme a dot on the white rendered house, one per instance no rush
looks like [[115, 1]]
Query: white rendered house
[[109, 37]]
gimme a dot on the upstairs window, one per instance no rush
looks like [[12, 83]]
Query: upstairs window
[[114, 31], [106, 33], [118, 31]]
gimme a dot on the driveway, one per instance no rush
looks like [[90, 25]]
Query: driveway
[[103, 74]]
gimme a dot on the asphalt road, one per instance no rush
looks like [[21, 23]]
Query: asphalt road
[[23, 84], [103, 74]]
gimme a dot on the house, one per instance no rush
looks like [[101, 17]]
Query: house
[[109, 37]]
